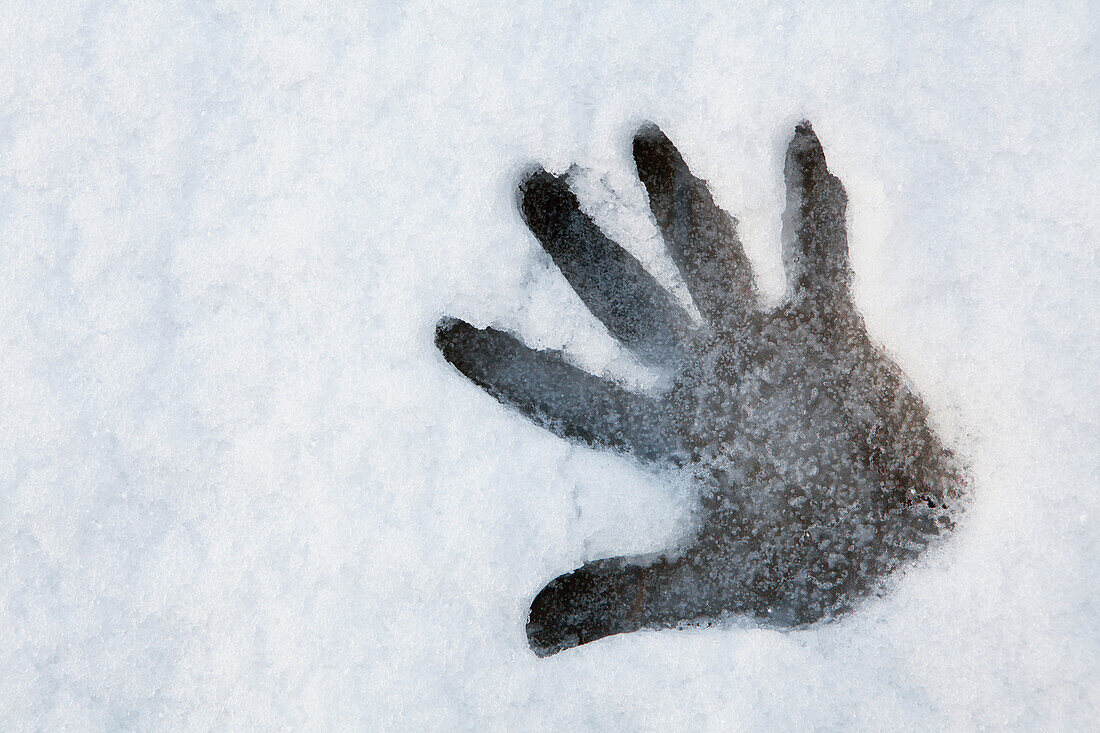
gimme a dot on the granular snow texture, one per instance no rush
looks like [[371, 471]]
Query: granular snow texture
[[242, 489]]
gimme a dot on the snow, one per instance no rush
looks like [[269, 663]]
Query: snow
[[241, 488]]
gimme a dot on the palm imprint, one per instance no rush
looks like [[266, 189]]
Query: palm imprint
[[816, 470]]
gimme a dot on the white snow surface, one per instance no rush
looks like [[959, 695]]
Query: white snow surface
[[240, 488]]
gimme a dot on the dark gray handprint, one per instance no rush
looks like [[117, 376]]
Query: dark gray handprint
[[816, 469]]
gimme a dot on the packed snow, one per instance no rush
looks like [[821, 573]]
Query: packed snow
[[242, 488]]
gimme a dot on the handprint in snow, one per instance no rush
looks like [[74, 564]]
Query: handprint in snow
[[817, 472]]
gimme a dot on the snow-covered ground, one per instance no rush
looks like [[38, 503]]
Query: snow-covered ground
[[240, 488]]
